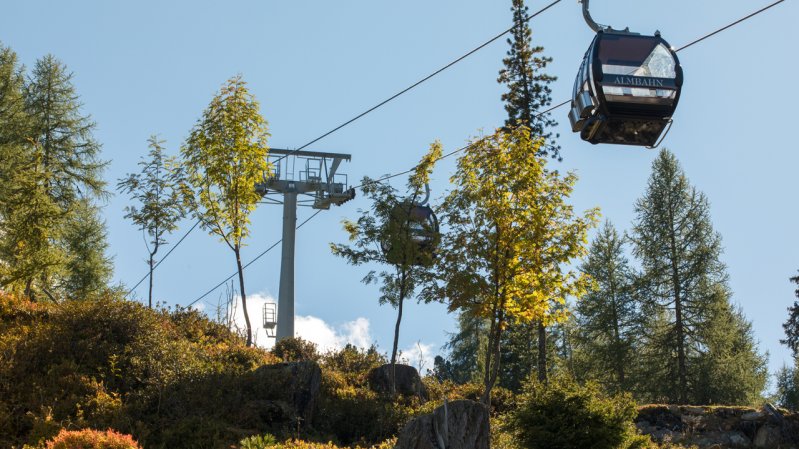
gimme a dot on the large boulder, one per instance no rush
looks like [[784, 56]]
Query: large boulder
[[457, 425], [408, 381], [295, 384]]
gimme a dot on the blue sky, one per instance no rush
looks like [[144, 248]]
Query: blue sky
[[149, 67]]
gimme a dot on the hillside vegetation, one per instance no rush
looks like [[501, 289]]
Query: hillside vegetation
[[175, 379]]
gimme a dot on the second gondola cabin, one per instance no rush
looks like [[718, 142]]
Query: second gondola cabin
[[627, 89], [411, 235]]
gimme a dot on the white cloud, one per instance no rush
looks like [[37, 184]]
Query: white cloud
[[419, 355], [317, 331], [310, 328]]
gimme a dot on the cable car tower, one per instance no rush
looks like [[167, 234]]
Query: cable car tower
[[315, 176]]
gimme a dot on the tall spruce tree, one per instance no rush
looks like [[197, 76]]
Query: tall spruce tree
[[608, 318], [528, 91], [681, 280]]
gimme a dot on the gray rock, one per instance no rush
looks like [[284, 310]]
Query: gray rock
[[296, 384], [463, 426], [767, 436], [738, 439], [694, 410], [408, 381], [753, 416]]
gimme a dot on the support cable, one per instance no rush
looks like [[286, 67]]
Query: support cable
[[452, 153]]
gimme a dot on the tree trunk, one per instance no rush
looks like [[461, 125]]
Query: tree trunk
[[150, 297], [237, 250], [492, 366], [617, 338], [542, 352], [682, 371], [396, 333]]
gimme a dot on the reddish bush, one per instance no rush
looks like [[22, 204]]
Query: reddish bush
[[92, 439]]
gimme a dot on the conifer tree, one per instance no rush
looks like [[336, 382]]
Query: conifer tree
[[466, 349], [791, 326], [608, 318], [28, 216], [681, 280], [528, 92], [70, 154], [88, 270], [386, 226], [157, 189], [730, 369], [224, 157]]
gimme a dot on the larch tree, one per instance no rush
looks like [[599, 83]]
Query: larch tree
[[224, 157], [683, 283], [511, 237], [608, 317], [383, 234], [157, 190], [71, 169], [29, 218]]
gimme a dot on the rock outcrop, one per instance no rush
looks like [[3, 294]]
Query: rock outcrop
[[408, 381], [289, 389], [464, 425], [719, 427]]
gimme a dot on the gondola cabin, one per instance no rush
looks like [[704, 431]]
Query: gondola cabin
[[411, 235], [627, 89]]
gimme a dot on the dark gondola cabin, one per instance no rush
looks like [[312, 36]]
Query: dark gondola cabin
[[627, 89], [412, 235]]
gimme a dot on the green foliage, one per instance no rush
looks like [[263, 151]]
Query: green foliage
[[295, 350], [383, 234], [92, 439], [791, 325], [52, 240], [609, 317], [730, 370], [788, 387], [258, 442], [683, 282], [511, 237], [157, 189], [528, 87], [171, 378], [88, 270], [224, 157], [564, 414]]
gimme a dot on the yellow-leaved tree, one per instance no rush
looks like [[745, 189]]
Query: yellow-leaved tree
[[224, 157], [506, 256]]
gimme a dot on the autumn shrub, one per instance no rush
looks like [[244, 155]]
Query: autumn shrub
[[161, 375], [564, 414], [295, 350], [91, 439]]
